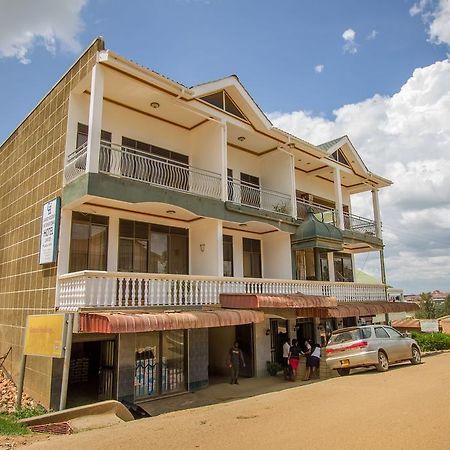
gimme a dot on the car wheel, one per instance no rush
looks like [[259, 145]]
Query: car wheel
[[343, 372], [383, 362], [416, 357]]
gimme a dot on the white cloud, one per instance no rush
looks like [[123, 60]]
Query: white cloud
[[436, 14], [319, 68], [405, 138], [372, 35], [350, 44], [26, 23]]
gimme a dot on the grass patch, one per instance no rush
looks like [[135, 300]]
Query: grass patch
[[9, 426], [9, 422]]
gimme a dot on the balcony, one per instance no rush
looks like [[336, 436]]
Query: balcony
[[248, 194], [113, 290], [124, 162], [352, 222]]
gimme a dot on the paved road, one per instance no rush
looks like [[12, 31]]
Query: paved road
[[407, 407]]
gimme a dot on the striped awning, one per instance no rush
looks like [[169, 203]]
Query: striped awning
[[295, 301], [372, 308], [119, 322]]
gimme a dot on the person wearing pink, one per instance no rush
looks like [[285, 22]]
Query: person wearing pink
[[294, 356]]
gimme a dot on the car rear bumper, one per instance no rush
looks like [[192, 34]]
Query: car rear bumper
[[361, 359]]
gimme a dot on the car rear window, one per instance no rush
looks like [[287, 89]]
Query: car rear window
[[338, 337]]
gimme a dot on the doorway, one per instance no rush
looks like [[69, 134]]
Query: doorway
[[279, 333], [244, 335], [92, 372]]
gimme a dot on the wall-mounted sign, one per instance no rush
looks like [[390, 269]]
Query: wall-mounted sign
[[50, 231], [45, 335]]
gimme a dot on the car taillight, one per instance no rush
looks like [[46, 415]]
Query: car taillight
[[361, 344]]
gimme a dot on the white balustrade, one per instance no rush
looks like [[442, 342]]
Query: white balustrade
[[91, 289]]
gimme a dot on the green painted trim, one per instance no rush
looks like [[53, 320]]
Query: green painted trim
[[131, 191], [197, 385]]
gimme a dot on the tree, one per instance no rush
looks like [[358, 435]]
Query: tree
[[446, 310], [427, 308]]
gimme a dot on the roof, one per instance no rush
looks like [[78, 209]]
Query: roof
[[327, 145], [365, 278], [406, 323], [118, 322]]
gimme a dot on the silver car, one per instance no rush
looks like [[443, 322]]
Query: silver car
[[370, 345]]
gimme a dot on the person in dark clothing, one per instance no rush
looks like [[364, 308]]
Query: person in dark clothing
[[235, 358]]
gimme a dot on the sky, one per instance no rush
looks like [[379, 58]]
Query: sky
[[376, 70]]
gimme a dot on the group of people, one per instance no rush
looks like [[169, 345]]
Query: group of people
[[291, 359]]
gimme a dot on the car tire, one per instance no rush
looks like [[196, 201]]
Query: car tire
[[416, 357], [383, 362], [343, 372]]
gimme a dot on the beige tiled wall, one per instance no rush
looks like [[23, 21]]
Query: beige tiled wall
[[31, 173]]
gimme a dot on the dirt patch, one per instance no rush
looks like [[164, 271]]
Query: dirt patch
[[7, 442]]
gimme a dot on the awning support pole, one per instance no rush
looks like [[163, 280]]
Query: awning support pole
[[66, 366], [23, 362]]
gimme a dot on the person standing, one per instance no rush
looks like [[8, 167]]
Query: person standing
[[294, 355], [235, 358], [313, 362], [286, 348]]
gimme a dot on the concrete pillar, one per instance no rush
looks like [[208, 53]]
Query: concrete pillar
[[95, 118], [330, 258], [376, 213], [113, 245], [65, 229], [317, 267], [224, 151], [338, 198]]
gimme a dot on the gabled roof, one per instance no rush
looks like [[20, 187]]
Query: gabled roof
[[327, 145]]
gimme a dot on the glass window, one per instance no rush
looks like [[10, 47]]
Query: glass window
[[343, 268], [133, 246], [215, 99], [227, 256], [381, 333], [231, 107], [393, 333], [366, 333], [252, 258], [172, 361], [339, 337], [88, 243], [147, 366], [324, 267]]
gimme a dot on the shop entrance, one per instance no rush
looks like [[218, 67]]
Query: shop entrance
[[305, 331], [244, 335], [278, 335], [91, 373]]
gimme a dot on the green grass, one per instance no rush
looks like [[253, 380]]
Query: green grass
[[9, 422], [9, 426]]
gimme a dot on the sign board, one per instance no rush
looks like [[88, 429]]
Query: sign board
[[429, 326], [49, 231], [45, 335]]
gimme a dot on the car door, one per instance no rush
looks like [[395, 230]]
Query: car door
[[384, 342], [400, 343]]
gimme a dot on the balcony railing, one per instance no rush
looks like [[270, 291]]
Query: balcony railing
[[91, 289], [249, 194], [328, 215], [130, 163]]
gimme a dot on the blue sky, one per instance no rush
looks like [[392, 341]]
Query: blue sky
[[377, 70]]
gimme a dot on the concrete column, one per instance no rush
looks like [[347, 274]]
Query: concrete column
[[113, 245], [376, 213], [95, 118], [65, 229], [293, 188], [330, 258], [317, 264], [338, 198], [224, 151]]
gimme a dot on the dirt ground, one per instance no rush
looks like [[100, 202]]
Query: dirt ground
[[404, 408]]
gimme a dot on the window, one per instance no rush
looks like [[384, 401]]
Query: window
[[339, 156], [150, 248], [393, 333], [325, 273], [250, 192], [227, 256], [252, 258], [88, 242], [343, 268], [381, 333], [223, 101], [159, 363]]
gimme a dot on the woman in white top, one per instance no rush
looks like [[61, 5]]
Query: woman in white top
[[312, 362]]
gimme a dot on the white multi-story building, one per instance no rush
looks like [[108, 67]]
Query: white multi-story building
[[188, 221]]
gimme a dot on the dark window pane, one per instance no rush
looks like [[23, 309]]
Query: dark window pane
[[227, 256], [126, 228], [126, 255], [141, 230], [215, 99], [98, 242], [232, 108], [178, 256], [140, 252], [79, 246], [159, 252]]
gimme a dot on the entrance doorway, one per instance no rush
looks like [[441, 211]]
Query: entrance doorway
[[279, 333], [244, 335], [91, 372]]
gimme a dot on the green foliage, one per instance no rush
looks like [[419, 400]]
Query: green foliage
[[28, 411], [427, 308], [429, 342], [9, 426], [273, 368]]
